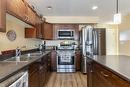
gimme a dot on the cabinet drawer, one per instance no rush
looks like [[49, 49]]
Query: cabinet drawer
[[110, 77]]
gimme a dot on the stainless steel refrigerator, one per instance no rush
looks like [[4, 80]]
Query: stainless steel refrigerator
[[93, 42]]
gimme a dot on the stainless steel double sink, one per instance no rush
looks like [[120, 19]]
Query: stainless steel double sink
[[24, 58]]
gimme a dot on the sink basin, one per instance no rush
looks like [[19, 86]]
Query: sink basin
[[33, 54], [19, 59], [25, 57]]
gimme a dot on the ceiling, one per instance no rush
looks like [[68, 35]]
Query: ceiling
[[105, 11]]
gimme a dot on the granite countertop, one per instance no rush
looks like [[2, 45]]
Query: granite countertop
[[9, 68], [118, 64]]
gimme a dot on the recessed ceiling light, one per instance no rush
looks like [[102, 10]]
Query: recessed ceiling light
[[94, 7], [49, 7]]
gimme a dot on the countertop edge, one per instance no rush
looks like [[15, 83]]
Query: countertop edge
[[113, 71], [22, 68]]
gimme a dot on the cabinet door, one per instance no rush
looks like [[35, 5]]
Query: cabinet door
[[12, 6], [30, 16], [2, 15], [48, 31], [38, 26], [53, 60], [21, 9], [30, 33], [34, 75], [17, 8], [42, 75], [89, 73], [78, 60], [34, 79], [99, 77], [49, 64]]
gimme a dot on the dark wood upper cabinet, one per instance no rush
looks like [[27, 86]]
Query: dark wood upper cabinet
[[38, 27], [2, 15], [23, 11], [12, 7], [47, 31], [30, 33], [30, 16], [17, 8]]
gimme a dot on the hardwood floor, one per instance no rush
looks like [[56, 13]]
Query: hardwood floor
[[67, 80]]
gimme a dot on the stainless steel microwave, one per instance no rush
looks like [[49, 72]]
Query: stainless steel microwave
[[65, 34]]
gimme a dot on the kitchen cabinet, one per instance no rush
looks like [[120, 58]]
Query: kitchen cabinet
[[30, 33], [47, 31], [100, 76], [12, 7], [17, 8], [39, 72], [31, 16], [2, 15], [48, 65], [34, 32], [23, 11], [78, 60], [38, 26], [53, 60], [89, 72], [34, 75]]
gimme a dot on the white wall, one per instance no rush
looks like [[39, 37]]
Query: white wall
[[124, 36], [72, 19], [18, 26]]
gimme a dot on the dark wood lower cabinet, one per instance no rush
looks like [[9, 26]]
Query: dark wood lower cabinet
[[39, 72], [34, 80], [100, 76], [53, 60], [78, 60]]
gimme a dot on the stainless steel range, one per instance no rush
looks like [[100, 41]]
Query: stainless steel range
[[66, 59]]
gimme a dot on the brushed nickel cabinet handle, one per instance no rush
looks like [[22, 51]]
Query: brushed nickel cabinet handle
[[105, 75]]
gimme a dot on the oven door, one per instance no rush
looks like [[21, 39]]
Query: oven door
[[66, 60]]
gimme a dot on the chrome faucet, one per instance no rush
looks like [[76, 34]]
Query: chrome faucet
[[18, 52], [40, 47]]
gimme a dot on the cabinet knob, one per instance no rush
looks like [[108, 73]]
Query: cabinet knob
[[105, 75]]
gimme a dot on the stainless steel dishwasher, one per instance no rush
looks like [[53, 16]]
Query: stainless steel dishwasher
[[18, 80]]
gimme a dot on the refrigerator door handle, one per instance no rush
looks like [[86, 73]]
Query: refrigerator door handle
[[96, 42]]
